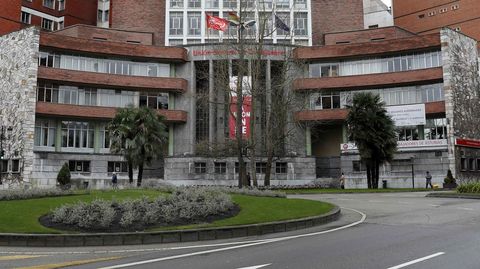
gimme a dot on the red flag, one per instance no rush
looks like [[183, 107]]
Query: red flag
[[217, 23]]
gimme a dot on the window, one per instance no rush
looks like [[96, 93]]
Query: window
[[478, 164], [237, 167], [47, 24], [374, 26], [176, 3], [463, 164], [10, 166], [435, 129], [47, 92], [61, 5], [200, 167], [194, 23], [48, 59], [285, 17], [220, 168], [44, 133], [455, 7], [211, 4], [471, 164], [443, 10], [79, 166], [407, 134], [154, 100], [26, 18], [77, 134], [60, 25], [300, 4], [229, 4], [431, 13], [195, 3], [267, 4], [117, 167], [326, 101], [102, 15], [176, 23], [283, 3], [15, 166], [359, 166], [301, 23], [421, 16], [3, 166], [281, 168], [49, 3], [260, 167]]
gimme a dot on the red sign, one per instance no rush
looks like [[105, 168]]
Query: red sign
[[246, 111], [467, 143]]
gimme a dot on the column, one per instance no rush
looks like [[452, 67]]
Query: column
[[211, 102], [308, 139]]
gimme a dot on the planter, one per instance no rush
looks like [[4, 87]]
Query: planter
[[449, 185]]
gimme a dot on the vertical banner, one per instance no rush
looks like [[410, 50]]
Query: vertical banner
[[246, 111]]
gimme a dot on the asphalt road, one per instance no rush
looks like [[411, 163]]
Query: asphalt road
[[385, 231]]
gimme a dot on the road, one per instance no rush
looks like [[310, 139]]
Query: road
[[384, 231]]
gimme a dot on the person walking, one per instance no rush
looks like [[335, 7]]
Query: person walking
[[114, 181], [428, 178], [342, 181]]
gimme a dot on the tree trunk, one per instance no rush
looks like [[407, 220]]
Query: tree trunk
[[130, 172], [377, 173], [268, 173], [369, 176], [140, 175]]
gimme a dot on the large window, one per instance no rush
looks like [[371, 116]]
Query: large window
[[105, 137], [47, 24], [100, 65], [77, 134], [194, 23], [285, 17], [45, 133], [176, 23], [326, 101], [301, 24], [407, 133], [79, 166], [117, 167], [436, 129], [154, 100], [379, 65], [220, 167], [26, 18], [47, 92]]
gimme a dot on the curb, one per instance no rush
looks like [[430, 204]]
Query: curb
[[453, 195], [116, 239]]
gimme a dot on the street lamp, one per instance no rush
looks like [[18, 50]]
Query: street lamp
[[412, 159]]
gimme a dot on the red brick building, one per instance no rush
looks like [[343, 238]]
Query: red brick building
[[429, 16]]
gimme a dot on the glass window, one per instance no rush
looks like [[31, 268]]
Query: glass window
[[47, 24], [285, 17], [61, 5], [200, 167], [77, 134], [283, 3], [211, 4], [45, 133], [301, 24], [176, 3], [26, 17], [359, 166], [230, 4], [281, 168], [194, 3], [79, 166], [220, 167], [261, 167], [176, 23], [49, 3], [117, 167]]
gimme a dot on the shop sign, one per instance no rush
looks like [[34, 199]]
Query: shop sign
[[405, 145], [407, 115], [467, 143]]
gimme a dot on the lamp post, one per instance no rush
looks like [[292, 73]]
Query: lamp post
[[412, 159], [2, 153]]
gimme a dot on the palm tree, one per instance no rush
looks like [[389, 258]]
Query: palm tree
[[140, 135], [373, 131]]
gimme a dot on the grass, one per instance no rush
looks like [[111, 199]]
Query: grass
[[327, 191], [266, 209], [21, 216]]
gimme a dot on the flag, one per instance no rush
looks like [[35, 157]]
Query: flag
[[233, 18], [217, 23], [280, 24]]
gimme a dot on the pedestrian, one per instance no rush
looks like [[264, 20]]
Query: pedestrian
[[114, 181], [428, 177], [248, 180], [342, 181]]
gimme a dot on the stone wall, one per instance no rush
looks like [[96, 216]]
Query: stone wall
[[18, 80], [462, 91]]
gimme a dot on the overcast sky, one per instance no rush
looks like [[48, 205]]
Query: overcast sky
[[388, 2]]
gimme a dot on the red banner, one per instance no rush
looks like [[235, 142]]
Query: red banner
[[467, 143], [216, 23], [246, 111]]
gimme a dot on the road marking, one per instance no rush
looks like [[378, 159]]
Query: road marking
[[417, 260], [465, 208], [19, 257], [256, 266], [266, 241], [65, 264], [434, 205]]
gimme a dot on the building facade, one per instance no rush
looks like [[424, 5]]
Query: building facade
[[72, 81], [424, 17]]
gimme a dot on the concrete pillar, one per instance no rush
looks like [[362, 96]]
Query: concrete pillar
[[308, 139], [211, 102], [170, 139], [58, 136]]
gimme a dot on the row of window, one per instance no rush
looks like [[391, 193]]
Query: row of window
[[99, 65], [233, 4], [221, 167], [74, 134], [391, 96], [377, 65], [85, 167], [46, 24], [434, 129], [195, 23]]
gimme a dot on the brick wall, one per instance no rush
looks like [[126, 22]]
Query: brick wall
[[90, 32], [146, 17], [368, 35], [335, 16], [10, 16]]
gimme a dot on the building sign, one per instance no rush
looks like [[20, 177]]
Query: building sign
[[470, 143], [407, 115], [226, 52], [198, 52], [405, 145], [246, 111]]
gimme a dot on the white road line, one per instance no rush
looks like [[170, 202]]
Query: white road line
[[256, 266], [465, 208], [417, 260], [266, 241], [434, 205]]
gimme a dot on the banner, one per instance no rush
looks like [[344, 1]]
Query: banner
[[246, 111], [407, 115]]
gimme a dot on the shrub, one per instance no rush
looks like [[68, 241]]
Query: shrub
[[20, 194], [449, 179], [472, 187], [63, 177]]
